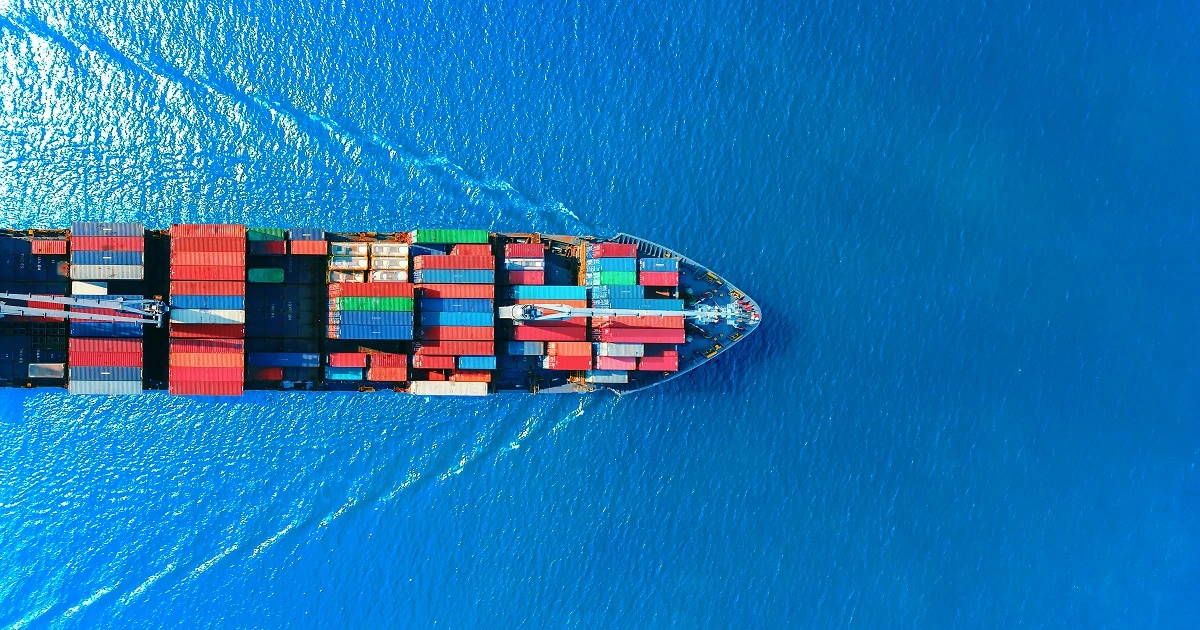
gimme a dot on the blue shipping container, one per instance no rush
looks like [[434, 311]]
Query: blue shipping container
[[343, 373], [619, 291], [93, 228], [219, 302], [547, 292], [435, 318], [106, 258], [612, 264], [306, 234], [283, 359], [105, 329], [455, 276], [659, 264], [371, 332], [476, 363], [372, 318], [89, 373], [456, 305], [526, 348]]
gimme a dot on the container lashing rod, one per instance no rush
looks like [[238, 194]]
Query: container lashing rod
[[140, 310]]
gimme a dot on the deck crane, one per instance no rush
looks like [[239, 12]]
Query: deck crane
[[140, 311], [555, 312]]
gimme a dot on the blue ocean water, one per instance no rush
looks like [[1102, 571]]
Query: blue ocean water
[[972, 228]]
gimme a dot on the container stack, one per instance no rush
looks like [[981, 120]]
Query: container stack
[[34, 349], [349, 262], [108, 251], [105, 357], [658, 272], [388, 262], [266, 241], [376, 311], [455, 276], [208, 310], [611, 264], [524, 263]]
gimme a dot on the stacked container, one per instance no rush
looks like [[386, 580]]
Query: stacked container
[[370, 311], [525, 263], [349, 262], [33, 348], [105, 357], [574, 329], [387, 367], [208, 310], [108, 251], [658, 272], [388, 262], [611, 264], [456, 307]]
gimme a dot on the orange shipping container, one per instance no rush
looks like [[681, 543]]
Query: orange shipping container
[[208, 244], [569, 348], [206, 359], [393, 374], [472, 376]]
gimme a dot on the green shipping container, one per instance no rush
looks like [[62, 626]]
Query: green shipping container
[[265, 234], [375, 304], [265, 275], [450, 236], [618, 277]]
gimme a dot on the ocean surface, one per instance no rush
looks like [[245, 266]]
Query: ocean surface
[[973, 229]]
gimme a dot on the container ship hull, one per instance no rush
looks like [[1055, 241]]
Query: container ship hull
[[215, 310]]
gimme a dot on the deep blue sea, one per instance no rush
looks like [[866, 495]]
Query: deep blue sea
[[973, 228]]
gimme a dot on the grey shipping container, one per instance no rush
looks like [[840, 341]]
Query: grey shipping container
[[105, 387], [90, 373], [107, 272], [47, 370]]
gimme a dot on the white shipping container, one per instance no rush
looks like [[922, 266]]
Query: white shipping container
[[527, 264], [105, 387], [389, 249], [447, 388], [347, 276], [89, 288], [389, 262], [389, 276], [608, 379], [207, 316], [349, 263], [107, 272], [348, 249], [47, 370], [620, 349]]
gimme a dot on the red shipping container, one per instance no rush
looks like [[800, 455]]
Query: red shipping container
[[310, 248], [206, 388], [480, 249], [432, 362], [572, 321], [616, 363], [457, 348], [267, 248], [207, 331], [347, 359], [375, 289], [84, 344], [658, 278], [454, 262], [206, 374], [97, 311], [208, 244], [49, 246], [524, 250], [210, 346], [567, 363], [528, 276], [388, 359], [266, 374], [192, 287], [614, 250], [104, 359], [223, 259], [108, 243], [472, 376], [435, 376], [394, 374], [48, 306], [630, 321], [542, 332], [639, 335], [208, 272], [579, 303], [208, 229], [658, 364], [569, 348], [458, 333], [206, 360], [478, 291]]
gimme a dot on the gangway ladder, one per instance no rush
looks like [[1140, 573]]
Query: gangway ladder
[[140, 310]]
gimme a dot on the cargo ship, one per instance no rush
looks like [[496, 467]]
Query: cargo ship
[[218, 309]]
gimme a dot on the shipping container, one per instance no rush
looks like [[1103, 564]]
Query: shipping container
[[48, 247], [471, 250], [93, 228], [349, 249], [612, 250], [206, 388], [525, 264], [208, 244], [471, 376], [185, 373], [209, 346], [265, 374], [106, 243], [620, 349], [391, 289], [639, 335], [222, 302], [192, 287], [658, 264], [267, 248], [348, 359], [372, 318], [611, 277], [105, 359], [83, 287], [632, 321], [265, 234], [458, 333], [207, 230], [567, 363], [612, 264], [433, 362], [48, 370], [454, 276], [104, 373], [606, 377], [571, 321], [356, 303], [547, 292], [105, 388], [542, 332], [104, 346], [578, 303], [615, 292], [450, 236], [206, 359], [389, 263], [447, 388], [339, 277], [569, 348], [658, 364], [457, 305], [98, 258], [349, 263], [105, 329], [207, 331], [525, 277], [387, 359], [457, 348], [479, 291], [524, 250], [308, 248], [453, 262], [271, 275], [387, 374], [206, 272], [343, 373], [436, 318], [646, 305], [207, 316], [526, 348], [283, 359], [659, 278], [306, 234], [362, 333], [107, 272], [616, 363], [390, 249], [387, 276]]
